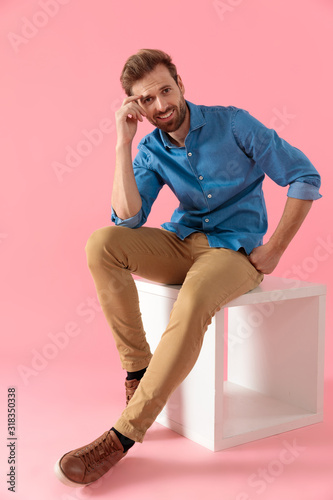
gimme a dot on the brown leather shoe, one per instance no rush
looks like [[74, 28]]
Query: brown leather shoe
[[130, 387], [85, 465]]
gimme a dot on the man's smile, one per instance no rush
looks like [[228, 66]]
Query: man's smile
[[166, 116]]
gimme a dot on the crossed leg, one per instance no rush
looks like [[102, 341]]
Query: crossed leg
[[210, 278]]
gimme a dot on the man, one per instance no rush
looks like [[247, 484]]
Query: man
[[214, 159]]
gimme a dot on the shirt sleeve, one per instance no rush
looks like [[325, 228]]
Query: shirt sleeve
[[149, 184], [283, 163]]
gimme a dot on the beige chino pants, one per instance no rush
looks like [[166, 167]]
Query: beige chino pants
[[210, 278]]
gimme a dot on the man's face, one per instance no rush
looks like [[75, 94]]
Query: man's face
[[162, 99]]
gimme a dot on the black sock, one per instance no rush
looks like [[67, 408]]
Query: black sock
[[125, 441], [136, 375]]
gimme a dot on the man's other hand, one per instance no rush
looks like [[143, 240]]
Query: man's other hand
[[265, 258]]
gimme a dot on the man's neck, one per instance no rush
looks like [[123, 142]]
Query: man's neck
[[178, 137]]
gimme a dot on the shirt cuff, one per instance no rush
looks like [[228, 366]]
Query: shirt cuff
[[131, 222], [303, 191]]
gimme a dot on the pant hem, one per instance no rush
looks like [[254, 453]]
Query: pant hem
[[134, 366], [129, 431]]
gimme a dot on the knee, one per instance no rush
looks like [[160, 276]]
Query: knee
[[98, 243]]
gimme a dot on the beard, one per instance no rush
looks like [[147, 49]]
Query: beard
[[176, 121]]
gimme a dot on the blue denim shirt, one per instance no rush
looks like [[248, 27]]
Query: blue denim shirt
[[217, 177]]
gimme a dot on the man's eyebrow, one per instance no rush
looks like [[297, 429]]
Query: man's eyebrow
[[148, 95]]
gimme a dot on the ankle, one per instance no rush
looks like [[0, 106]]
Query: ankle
[[125, 441], [136, 375]]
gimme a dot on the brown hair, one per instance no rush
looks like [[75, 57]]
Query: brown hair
[[143, 62]]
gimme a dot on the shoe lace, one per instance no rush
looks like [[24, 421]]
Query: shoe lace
[[93, 454]]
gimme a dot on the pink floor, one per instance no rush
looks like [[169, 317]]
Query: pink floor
[[67, 406]]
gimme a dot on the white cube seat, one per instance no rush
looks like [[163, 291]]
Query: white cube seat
[[260, 371]]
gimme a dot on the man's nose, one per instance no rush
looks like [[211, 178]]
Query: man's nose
[[161, 104]]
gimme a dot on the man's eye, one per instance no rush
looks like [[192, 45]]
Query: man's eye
[[147, 100], [166, 90]]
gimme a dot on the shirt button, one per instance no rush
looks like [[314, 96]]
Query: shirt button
[[189, 154], [209, 195], [200, 178], [206, 220]]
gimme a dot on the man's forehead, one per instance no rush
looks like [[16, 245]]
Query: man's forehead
[[154, 81]]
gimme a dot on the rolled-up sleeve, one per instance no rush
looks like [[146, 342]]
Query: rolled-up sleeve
[[282, 162], [132, 222], [303, 190], [149, 184]]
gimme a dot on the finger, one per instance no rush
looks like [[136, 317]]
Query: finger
[[135, 100], [132, 98], [134, 109], [139, 115], [135, 114]]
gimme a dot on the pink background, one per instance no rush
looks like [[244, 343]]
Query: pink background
[[60, 71]]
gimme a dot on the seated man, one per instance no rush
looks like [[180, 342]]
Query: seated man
[[214, 159]]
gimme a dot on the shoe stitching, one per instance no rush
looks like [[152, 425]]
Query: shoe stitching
[[91, 456]]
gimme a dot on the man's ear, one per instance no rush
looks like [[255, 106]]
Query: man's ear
[[180, 84]]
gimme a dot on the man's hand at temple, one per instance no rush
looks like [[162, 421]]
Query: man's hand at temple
[[127, 118]]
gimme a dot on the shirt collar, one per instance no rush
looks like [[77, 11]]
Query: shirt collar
[[197, 120]]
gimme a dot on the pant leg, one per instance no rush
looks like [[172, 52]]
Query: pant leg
[[113, 253], [216, 277]]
